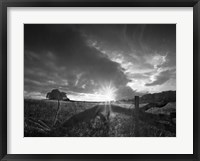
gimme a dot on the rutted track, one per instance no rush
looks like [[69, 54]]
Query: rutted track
[[105, 113]]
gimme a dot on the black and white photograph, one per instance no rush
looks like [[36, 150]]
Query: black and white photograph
[[100, 80]]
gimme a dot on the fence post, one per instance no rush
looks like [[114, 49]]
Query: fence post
[[136, 115]]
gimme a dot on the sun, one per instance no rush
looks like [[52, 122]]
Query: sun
[[108, 93]]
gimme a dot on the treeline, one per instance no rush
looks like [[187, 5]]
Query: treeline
[[166, 96]]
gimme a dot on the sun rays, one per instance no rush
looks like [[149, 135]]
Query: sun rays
[[107, 92]]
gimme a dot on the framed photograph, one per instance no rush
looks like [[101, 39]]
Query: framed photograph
[[99, 80]]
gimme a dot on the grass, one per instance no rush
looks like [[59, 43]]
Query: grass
[[83, 119]]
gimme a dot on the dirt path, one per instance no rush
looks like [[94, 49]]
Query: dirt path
[[101, 120], [103, 110]]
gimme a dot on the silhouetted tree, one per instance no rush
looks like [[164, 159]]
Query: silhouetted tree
[[55, 94]]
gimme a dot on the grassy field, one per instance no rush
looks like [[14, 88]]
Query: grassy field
[[84, 119]]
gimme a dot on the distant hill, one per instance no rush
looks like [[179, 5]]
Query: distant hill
[[166, 96]]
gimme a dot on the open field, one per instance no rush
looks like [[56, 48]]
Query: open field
[[84, 119]]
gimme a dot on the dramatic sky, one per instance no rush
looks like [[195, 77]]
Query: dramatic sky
[[81, 60]]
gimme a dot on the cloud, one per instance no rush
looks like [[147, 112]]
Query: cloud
[[33, 95], [125, 92], [139, 49], [64, 59], [161, 78], [80, 58]]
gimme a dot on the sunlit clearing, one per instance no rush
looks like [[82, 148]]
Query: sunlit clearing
[[106, 93]]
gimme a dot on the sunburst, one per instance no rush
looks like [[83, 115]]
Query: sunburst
[[107, 92]]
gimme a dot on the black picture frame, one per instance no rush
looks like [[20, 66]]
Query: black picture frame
[[4, 4]]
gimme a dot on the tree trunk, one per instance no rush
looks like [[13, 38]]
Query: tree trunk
[[58, 109]]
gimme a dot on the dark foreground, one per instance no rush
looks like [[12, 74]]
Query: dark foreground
[[82, 119]]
